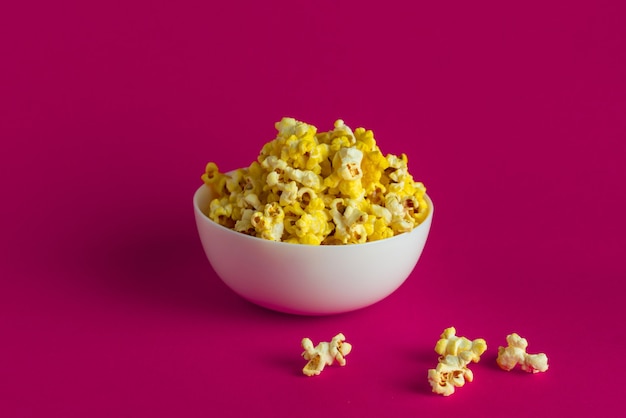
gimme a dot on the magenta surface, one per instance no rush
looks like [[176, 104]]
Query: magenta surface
[[513, 115]]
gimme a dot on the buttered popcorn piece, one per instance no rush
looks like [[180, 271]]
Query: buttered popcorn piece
[[301, 175], [515, 353], [455, 353], [451, 373], [450, 344], [324, 354], [269, 223]]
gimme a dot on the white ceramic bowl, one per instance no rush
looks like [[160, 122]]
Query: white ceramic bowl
[[308, 279]]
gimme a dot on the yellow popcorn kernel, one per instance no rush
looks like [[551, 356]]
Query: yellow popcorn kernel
[[291, 239], [324, 354], [310, 239], [316, 156], [255, 170], [273, 179], [234, 181], [306, 195], [295, 209], [220, 210], [400, 222], [274, 164], [290, 226], [211, 173], [455, 353], [397, 189], [451, 372], [271, 148], [343, 131], [214, 179], [399, 167], [302, 152], [410, 205], [376, 194], [374, 166], [337, 143], [348, 163], [240, 201], [244, 225], [312, 223], [288, 193], [293, 212], [331, 182], [252, 200], [272, 196], [352, 189], [317, 203], [382, 213], [287, 127], [365, 141], [269, 223], [515, 353], [289, 149], [310, 228], [349, 221], [450, 344], [394, 163], [380, 230], [347, 173], [307, 178], [253, 183]]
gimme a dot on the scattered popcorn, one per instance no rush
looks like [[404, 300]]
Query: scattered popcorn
[[515, 353], [451, 372], [450, 344], [316, 188], [455, 353], [324, 354]]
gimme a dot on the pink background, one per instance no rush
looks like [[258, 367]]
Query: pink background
[[512, 113]]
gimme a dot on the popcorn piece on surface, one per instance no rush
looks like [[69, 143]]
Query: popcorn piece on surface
[[455, 353], [468, 350], [303, 171], [515, 353], [349, 221], [451, 372], [324, 354]]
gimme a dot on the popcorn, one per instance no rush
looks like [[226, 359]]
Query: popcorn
[[325, 188], [349, 164], [324, 354], [451, 373], [269, 223], [450, 344], [349, 221], [515, 353], [455, 353]]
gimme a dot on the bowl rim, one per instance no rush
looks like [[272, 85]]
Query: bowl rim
[[422, 225]]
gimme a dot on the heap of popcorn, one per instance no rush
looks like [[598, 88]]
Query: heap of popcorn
[[310, 187]]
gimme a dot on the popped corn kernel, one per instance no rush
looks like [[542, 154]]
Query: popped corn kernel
[[302, 172], [455, 353], [221, 211], [324, 354], [515, 353], [269, 223], [451, 373], [450, 344], [349, 221]]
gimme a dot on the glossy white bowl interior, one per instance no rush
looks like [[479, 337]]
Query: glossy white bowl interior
[[307, 279]]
